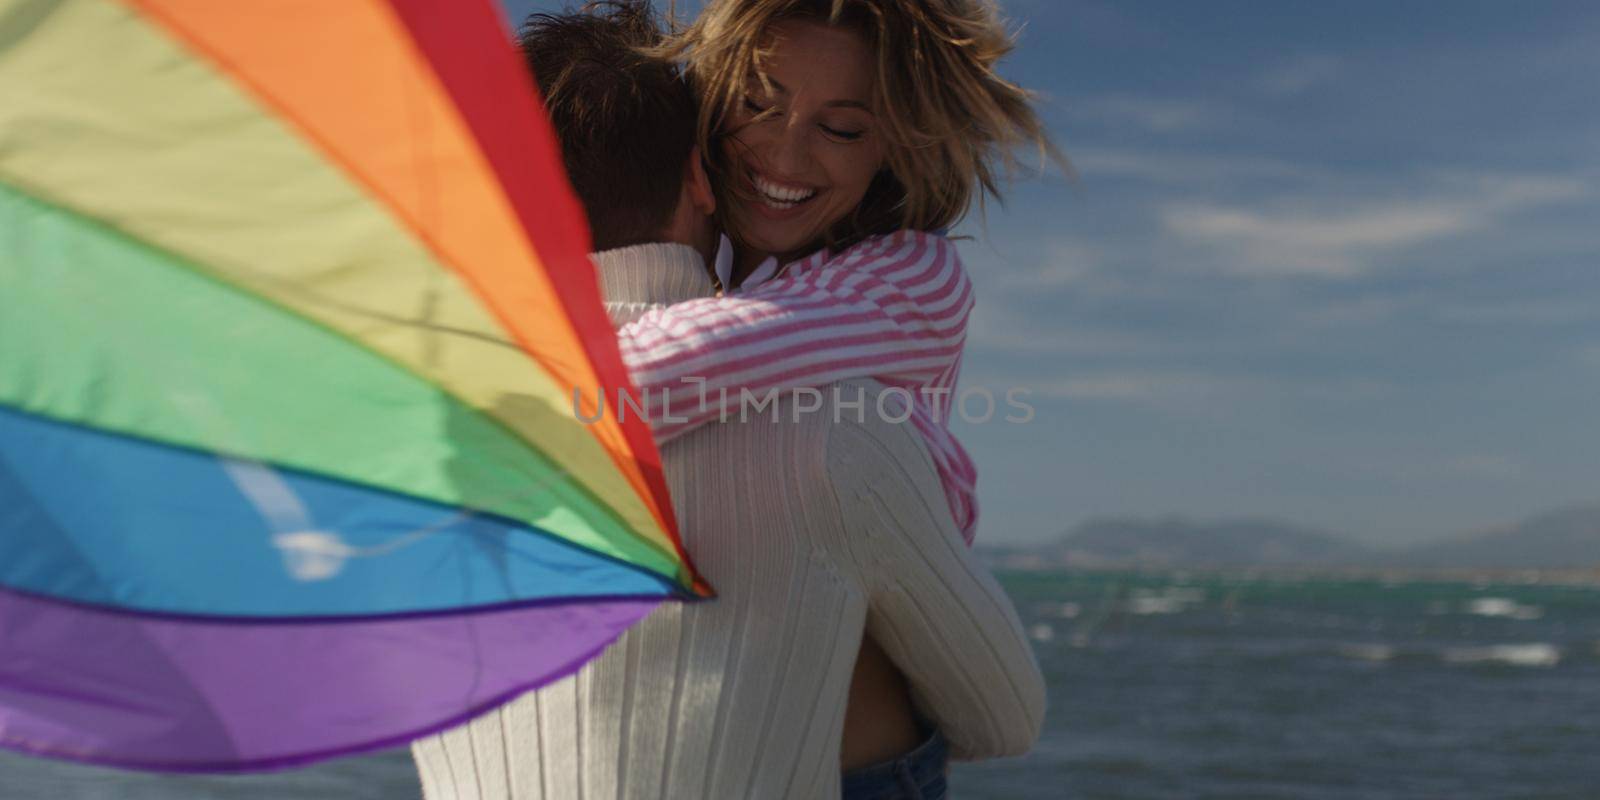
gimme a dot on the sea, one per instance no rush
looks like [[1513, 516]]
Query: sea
[[1179, 684]]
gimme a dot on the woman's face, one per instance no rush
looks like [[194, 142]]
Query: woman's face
[[804, 155]]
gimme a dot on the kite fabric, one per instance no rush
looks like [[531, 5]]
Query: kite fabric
[[305, 443]]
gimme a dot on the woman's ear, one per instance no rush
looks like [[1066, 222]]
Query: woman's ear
[[698, 183]]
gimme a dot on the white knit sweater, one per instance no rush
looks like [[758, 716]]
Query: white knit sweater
[[813, 529]]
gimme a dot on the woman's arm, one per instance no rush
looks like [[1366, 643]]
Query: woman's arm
[[937, 612], [893, 307]]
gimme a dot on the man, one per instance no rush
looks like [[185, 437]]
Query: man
[[822, 533]]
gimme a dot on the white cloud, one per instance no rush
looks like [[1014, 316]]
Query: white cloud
[[1331, 245], [1065, 263], [1348, 238]]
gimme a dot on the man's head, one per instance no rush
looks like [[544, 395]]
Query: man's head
[[626, 123]]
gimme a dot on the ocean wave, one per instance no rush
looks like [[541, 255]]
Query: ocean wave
[[1537, 654], [1503, 607], [1368, 652], [1171, 600], [1064, 610]]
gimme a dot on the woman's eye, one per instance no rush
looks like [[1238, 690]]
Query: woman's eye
[[846, 136], [754, 108]]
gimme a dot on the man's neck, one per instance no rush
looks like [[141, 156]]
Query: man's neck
[[634, 278]]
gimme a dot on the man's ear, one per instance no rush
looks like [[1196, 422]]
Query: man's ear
[[698, 183]]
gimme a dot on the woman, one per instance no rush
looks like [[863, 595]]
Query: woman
[[845, 133], [842, 133]]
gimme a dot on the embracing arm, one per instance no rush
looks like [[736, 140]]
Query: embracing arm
[[893, 307], [937, 612]]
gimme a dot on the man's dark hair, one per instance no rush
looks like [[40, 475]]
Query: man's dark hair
[[625, 119]]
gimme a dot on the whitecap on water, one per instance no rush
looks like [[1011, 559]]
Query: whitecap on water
[[1170, 600], [1503, 607], [1538, 654]]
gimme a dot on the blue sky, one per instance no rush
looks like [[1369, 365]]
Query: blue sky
[[1337, 263]]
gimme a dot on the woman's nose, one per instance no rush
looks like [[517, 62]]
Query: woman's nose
[[790, 151]]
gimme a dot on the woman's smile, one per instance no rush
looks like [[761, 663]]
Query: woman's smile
[[780, 199]]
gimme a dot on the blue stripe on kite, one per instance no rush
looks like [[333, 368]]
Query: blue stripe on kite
[[98, 518]]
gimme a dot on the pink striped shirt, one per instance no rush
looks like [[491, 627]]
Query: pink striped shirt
[[893, 308]]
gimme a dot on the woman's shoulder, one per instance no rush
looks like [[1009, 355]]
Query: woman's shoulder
[[902, 238], [918, 275], [908, 254]]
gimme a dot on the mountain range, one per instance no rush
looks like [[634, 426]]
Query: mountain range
[[1567, 538]]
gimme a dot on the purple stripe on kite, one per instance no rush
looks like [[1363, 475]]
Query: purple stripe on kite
[[177, 696], [676, 596]]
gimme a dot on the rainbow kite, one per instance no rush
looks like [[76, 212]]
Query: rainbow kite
[[294, 299]]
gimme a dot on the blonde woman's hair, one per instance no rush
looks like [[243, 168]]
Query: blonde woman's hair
[[951, 124]]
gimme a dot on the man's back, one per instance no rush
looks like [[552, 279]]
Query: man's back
[[742, 696], [813, 528], [797, 524]]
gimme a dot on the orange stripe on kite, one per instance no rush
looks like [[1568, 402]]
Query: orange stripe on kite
[[504, 182]]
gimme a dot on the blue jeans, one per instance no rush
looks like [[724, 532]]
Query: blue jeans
[[917, 775]]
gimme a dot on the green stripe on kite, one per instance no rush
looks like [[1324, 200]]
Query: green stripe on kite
[[281, 389]]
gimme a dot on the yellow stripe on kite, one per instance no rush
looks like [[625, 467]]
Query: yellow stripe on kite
[[268, 211]]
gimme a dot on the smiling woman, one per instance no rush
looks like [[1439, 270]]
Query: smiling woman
[[803, 148], [870, 117]]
